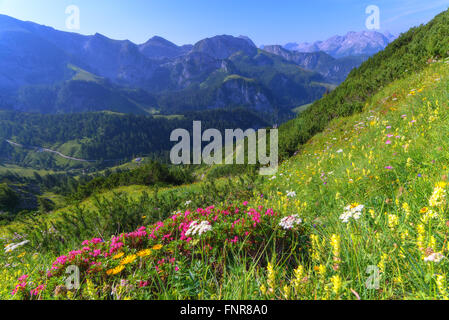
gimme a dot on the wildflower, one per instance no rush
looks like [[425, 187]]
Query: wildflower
[[299, 273], [322, 270], [424, 210], [438, 197], [144, 253], [335, 243], [286, 291], [434, 257], [198, 228], [353, 210], [129, 259], [115, 270], [441, 285], [291, 194], [381, 265], [337, 283], [393, 221], [188, 202], [315, 249], [157, 247], [118, 255], [13, 246], [263, 289], [289, 222], [271, 277]]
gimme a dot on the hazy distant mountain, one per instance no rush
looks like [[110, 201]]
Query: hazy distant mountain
[[51, 71], [159, 48], [333, 70], [352, 44], [222, 47]]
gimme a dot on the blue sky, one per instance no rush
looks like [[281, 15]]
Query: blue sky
[[187, 21]]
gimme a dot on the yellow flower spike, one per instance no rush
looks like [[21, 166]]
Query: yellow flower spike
[[337, 284], [118, 255]]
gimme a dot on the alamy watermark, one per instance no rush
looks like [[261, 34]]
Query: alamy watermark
[[373, 20], [73, 20], [212, 153], [73, 279], [374, 277]]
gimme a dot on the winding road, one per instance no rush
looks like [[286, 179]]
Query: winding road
[[40, 149]]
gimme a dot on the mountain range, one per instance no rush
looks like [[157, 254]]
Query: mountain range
[[49, 71]]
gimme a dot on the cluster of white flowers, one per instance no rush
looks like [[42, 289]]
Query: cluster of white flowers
[[352, 211], [188, 202], [289, 222], [291, 194], [13, 246], [198, 228], [434, 257]]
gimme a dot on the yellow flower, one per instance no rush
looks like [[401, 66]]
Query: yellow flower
[[354, 205], [21, 255], [118, 255], [336, 283], [144, 253], [335, 243], [157, 247], [424, 210], [115, 270], [128, 259]]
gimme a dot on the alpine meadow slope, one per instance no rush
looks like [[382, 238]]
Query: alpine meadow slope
[[359, 212]]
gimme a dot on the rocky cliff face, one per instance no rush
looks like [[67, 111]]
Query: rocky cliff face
[[333, 70]]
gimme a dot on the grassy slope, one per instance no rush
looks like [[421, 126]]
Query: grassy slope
[[393, 181]]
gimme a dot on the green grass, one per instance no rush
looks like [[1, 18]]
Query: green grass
[[83, 75], [302, 108], [22, 171], [390, 158]]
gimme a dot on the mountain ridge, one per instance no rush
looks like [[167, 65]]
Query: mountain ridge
[[351, 44]]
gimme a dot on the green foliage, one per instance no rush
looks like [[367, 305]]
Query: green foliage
[[8, 198], [152, 174], [407, 55], [108, 138]]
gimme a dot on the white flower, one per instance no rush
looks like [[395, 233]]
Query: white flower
[[198, 228], [289, 222], [13, 246], [352, 211], [340, 151], [291, 194], [434, 257], [273, 177], [188, 202]]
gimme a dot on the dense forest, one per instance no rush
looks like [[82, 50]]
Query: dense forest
[[106, 138]]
